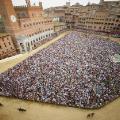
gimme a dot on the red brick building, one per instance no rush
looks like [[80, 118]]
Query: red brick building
[[25, 24], [7, 47], [103, 17]]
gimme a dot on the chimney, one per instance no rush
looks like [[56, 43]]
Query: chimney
[[101, 2], [68, 4], [40, 4], [28, 3]]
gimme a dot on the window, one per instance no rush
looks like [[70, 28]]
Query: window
[[24, 25], [33, 14], [9, 43], [7, 38], [5, 45], [23, 14]]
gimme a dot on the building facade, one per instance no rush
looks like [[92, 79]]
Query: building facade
[[57, 13], [59, 27], [102, 17], [7, 48], [26, 24]]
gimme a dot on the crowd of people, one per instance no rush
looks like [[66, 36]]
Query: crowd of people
[[75, 71]]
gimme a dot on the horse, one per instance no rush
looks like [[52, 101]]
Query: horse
[[90, 115], [1, 104], [22, 109]]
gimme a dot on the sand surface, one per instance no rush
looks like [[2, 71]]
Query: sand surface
[[42, 111]]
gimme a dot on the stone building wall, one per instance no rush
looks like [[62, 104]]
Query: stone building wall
[[7, 47]]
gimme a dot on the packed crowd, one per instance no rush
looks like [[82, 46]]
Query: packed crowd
[[76, 71]]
